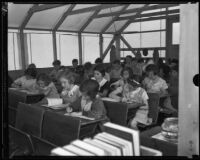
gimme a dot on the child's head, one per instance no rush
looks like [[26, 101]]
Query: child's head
[[128, 59], [130, 86], [99, 72], [127, 73], [32, 65], [116, 64], [30, 73], [152, 71], [87, 66], [56, 64], [67, 79], [98, 61], [174, 71], [43, 80], [75, 62], [89, 89]]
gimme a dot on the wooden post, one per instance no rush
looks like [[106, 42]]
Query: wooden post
[[188, 140], [23, 56], [101, 45], [54, 45], [117, 43], [80, 49]]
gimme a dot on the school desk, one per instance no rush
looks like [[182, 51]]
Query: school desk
[[17, 95], [166, 147]]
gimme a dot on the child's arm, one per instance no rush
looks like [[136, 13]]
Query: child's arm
[[74, 106], [114, 94], [104, 93]]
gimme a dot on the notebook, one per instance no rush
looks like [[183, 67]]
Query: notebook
[[80, 116], [127, 144], [61, 152], [96, 144], [55, 103], [124, 133], [97, 151], [77, 150]]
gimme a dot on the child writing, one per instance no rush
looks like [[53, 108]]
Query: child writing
[[70, 91], [131, 92], [154, 84], [99, 73], [88, 104], [27, 81]]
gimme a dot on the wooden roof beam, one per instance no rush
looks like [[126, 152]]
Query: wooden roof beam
[[63, 17], [137, 10], [46, 7], [113, 20], [151, 14]]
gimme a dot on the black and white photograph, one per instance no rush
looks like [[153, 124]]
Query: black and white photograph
[[100, 79]]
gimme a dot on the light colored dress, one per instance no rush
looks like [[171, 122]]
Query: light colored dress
[[25, 83]]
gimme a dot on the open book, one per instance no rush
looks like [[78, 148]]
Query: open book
[[55, 103], [79, 114]]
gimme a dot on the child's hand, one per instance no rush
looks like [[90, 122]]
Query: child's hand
[[87, 108], [69, 109], [124, 99]]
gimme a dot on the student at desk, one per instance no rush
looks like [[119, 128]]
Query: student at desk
[[88, 104], [154, 84], [27, 81], [70, 91], [56, 64], [131, 92]]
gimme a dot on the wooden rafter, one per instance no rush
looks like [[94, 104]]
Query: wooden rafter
[[113, 20], [127, 44], [63, 17], [91, 18], [151, 14], [137, 10], [46, 7]]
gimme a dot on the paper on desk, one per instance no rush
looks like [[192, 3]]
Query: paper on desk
[[80, 116], [161, 137], [109, 99]]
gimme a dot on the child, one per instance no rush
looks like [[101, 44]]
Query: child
[[128, 61], [46, 86], [126, 74], [131, 92], [27, 81], [104, 86], [154, 84], [70, 91], [74, 64], [88, 105], [115, 71], [88, 70], [32, 65], [56, 64], [98, 61]]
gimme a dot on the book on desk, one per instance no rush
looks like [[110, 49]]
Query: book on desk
[[115, 140]]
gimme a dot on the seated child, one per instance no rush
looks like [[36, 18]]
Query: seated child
[[98, 61], [115, 72], [88, 70], [154, 84], [131, 92], [70, 91], [27, 81], [56, 64], [126, 74], [74, 64], [32, 65], [104, 86], [46, 86], [88, 104]]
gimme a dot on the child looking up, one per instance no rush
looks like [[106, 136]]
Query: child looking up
[[27, 81], [99, 73], [70, 91], [88, 105]]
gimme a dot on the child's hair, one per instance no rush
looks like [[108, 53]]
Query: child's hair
[[70, 76], [44, 77], [56, 62], [32, 65], [130, 71], [98, 60], [31, 72], [116, 62], [62, 68], [87, 66], [175, 68], [90, 87], [153, 68], [75, 61], [100, 68]]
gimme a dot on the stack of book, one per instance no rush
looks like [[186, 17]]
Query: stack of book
[[115, 140]]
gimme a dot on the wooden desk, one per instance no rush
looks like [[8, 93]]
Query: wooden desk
[[17, 95], [167, 148]]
